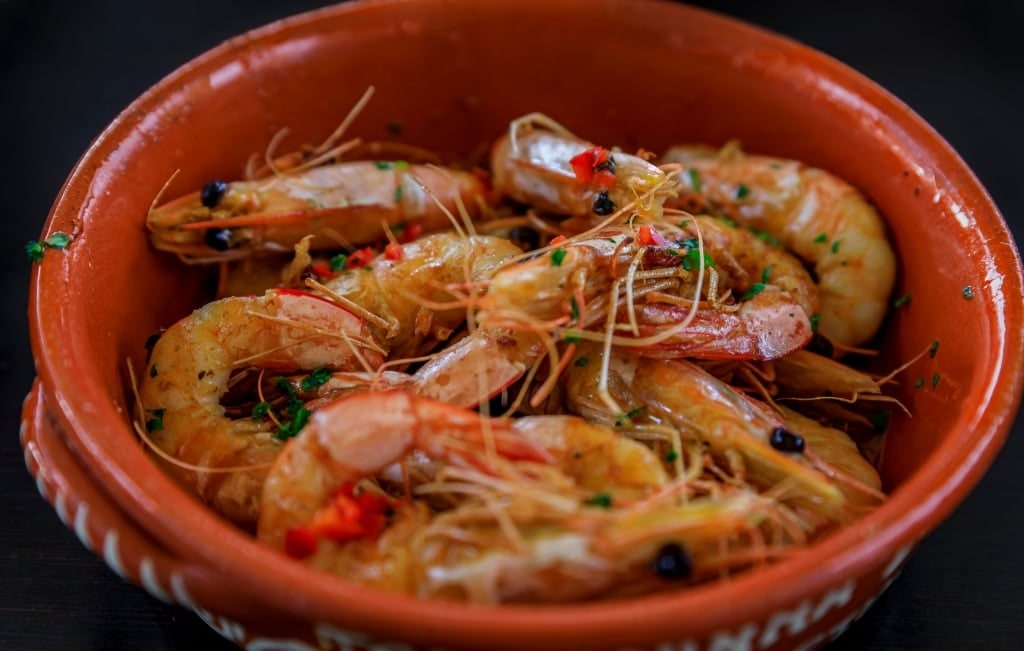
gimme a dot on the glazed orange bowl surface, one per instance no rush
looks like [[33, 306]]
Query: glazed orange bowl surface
[[664, 73]]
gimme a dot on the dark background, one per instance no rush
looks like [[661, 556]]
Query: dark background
[[67, 68]]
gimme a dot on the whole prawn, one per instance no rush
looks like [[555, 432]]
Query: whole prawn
[[411, 294], [539, 162], [347, 203], [222, 459], [683, 397], [821, 218]]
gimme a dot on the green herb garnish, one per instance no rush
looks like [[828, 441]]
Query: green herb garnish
[[260, 410], [835, 246], [557, 257], [316, 379], [626, 418], [821, 238], [602, 500], [767, 237], [35, 249], [338, 262], [572, 337], [671, 456], [156, 420], [692, 260], [934, 348], [754, 290], [935, 380], [742, 191], [968, 292], [695, 181], [295, 425], [901, 301], [581, 361], [814, 319]]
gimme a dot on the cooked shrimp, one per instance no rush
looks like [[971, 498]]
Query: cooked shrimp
[[553, 545], [224, 460], [560, 173], [408, 288], [837, 454], [643, 284], [645, 279], [358, 437], [341, 204], [596, 456], [681, 395], [818, 216], [591, 551]]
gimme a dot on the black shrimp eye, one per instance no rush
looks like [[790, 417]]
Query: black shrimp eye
[[218, 239], [821, 345], [603, 205], [785, 441], [672, 563], [212, 192], [526, 237]]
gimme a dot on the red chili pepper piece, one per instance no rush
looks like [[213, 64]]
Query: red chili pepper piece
[[556, 240], [393, 251], [585, 164], [604, 180], [323, 270], [348, 516], [359, 258], [339, 520], [411, 233], [299, 542], [649, 236]]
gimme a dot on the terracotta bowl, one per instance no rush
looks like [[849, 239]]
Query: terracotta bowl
[[633, 73]]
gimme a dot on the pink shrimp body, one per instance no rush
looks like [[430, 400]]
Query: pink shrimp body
[[345, 203], [189, 372]]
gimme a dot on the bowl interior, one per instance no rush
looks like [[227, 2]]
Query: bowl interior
[[659, 74]]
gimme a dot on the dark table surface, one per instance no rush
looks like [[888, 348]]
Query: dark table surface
[[67, 68]]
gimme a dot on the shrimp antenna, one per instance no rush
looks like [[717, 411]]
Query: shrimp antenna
[[156, 199], [430, 193], [327, 144]]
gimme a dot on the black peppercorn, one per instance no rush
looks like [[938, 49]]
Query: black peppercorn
[[672, 563]]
